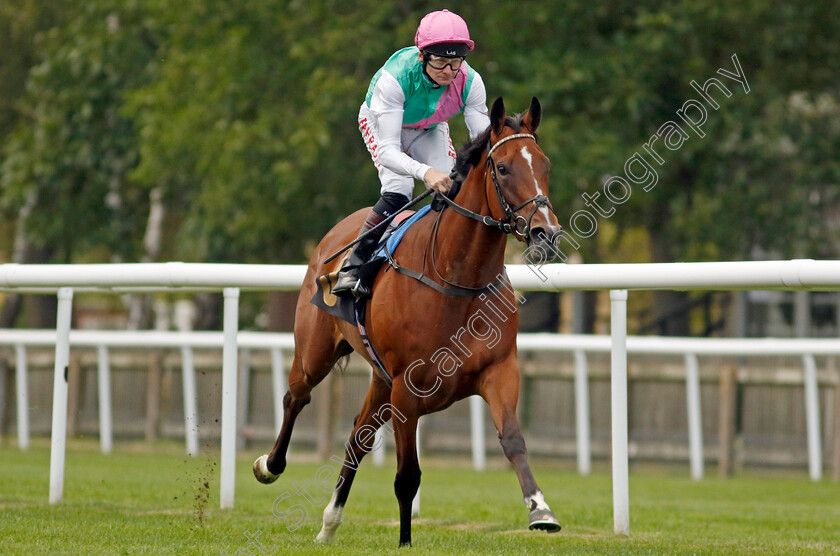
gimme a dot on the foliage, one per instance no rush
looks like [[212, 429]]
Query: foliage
[[72, 150], [611, 73], [250, 124], [244, 114], [20, 20]]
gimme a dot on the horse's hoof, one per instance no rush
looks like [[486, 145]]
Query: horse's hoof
[[543, 520], [323, 539], [261, 471]]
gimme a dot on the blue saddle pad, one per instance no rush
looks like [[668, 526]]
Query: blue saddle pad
[[394, 239]]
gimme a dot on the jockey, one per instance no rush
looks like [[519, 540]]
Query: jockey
[[403, 121]]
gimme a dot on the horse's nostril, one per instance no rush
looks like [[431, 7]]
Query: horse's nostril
[[538, 235]]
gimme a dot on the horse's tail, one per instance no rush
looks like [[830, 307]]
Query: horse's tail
[[342, 362], [342, 357]]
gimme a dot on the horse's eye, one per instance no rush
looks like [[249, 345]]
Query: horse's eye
[[503, 169]]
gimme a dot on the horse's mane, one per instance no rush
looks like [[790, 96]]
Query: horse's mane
[[470, 154]]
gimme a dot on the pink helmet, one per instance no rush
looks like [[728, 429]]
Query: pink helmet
[[442, 27]]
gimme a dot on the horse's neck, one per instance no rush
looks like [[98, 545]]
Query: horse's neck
[[467, 251]]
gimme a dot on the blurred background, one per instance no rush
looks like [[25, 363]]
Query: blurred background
[[226, 132], [205, 131]]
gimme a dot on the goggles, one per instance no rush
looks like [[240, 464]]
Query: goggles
[[440, 62]]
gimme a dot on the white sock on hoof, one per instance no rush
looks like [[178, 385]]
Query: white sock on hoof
[[332, 519], [537, 499], [261, 466]]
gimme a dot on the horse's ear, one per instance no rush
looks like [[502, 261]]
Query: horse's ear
[[497, 115], [532, 118]]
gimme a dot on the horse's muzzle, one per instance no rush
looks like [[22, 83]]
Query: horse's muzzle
[[544, 239]]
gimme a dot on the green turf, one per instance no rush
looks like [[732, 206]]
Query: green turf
[[150, 499]]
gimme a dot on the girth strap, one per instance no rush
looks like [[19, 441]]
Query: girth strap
[[380, 367], [460, 291]]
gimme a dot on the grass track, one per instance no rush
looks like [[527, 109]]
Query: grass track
[[151, 499]]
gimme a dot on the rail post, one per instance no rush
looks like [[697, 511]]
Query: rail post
[[278, 385], [103, 369], [22, 392], [229, 371], [584, 450], [58, 444], [190, 400], [812, 418], [695, 418], [479, 450], [618, 389]]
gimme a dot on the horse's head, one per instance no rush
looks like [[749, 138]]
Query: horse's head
[[516, 176]]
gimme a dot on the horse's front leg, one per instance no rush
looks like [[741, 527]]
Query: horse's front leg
[[375, 412], [501, 391], [407, 480]]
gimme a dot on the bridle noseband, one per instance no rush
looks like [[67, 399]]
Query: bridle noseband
[[512, 222]]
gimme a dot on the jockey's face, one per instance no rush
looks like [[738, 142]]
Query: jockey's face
[[442, 77]]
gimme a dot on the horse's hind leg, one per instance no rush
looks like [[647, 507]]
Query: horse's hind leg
[[374, 413], [501, 391], [311, 364]]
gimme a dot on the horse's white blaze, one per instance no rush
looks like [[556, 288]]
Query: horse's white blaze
[[526, 154], [538, 499], [331, 521]]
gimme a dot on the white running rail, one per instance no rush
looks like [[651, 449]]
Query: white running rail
[[803, 274]]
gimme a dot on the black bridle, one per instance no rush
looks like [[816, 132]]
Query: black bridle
[[512, 222]]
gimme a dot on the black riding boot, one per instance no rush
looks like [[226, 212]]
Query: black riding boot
[[349, 284]]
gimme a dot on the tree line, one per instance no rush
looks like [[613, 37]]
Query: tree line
[[145, 130]]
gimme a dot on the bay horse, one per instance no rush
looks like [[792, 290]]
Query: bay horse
[[437, 347]]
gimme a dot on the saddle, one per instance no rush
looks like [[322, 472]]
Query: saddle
[[345, 307]]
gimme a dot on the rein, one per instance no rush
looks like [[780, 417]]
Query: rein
[[512, 223]]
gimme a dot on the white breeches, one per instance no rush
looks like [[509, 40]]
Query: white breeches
[[427, 146]]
